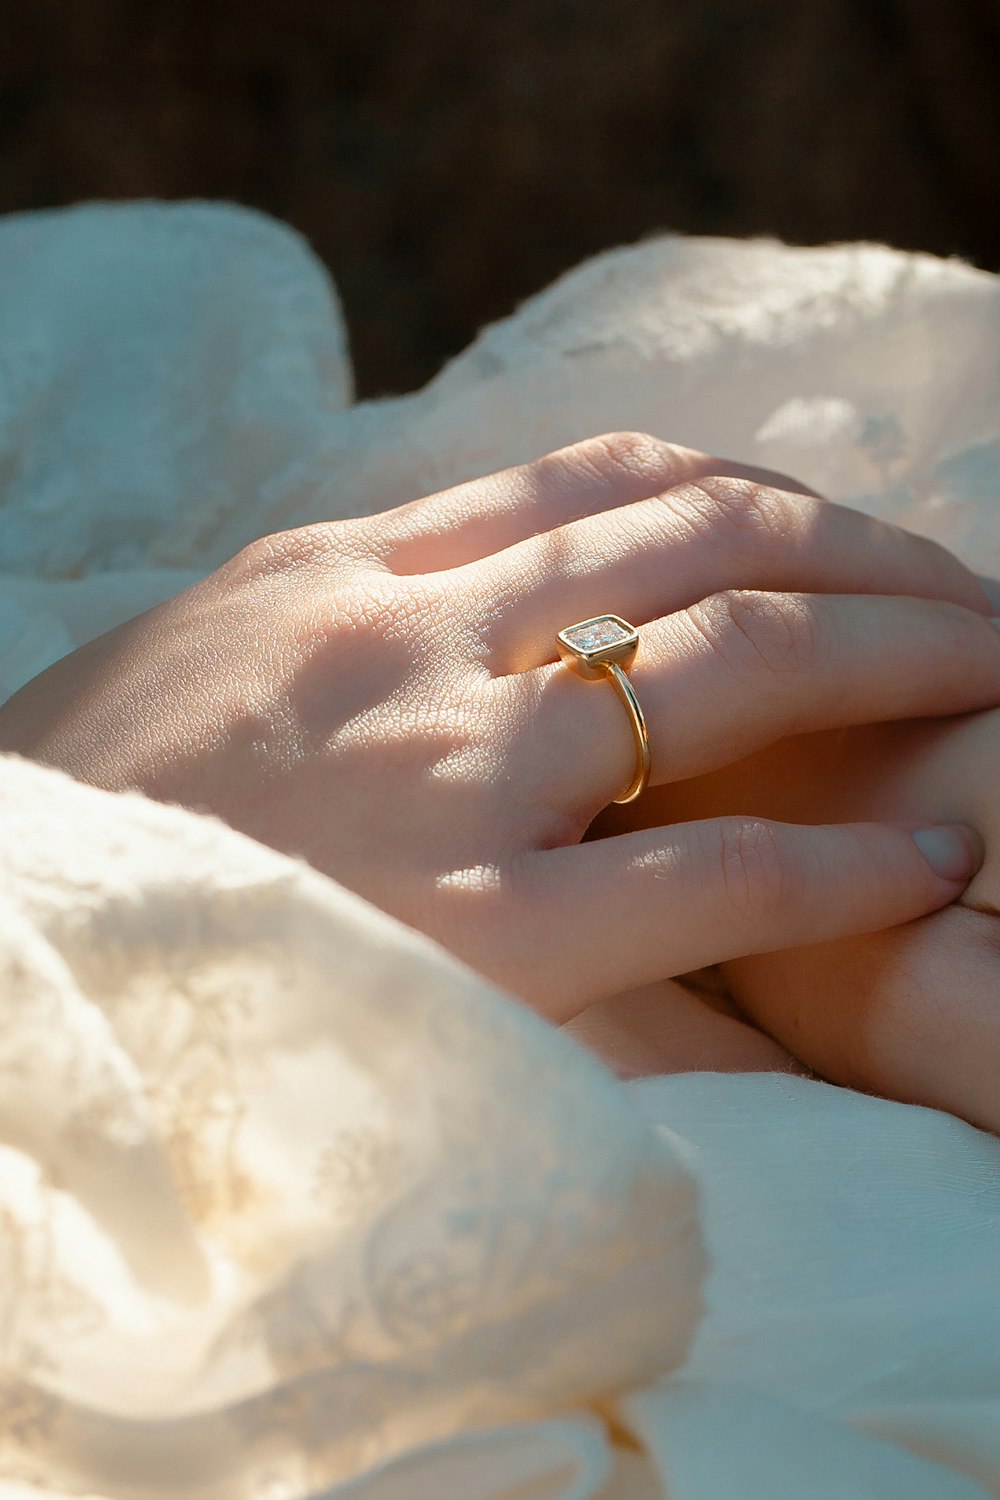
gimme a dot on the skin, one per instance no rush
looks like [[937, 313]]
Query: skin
[[913, 1012], [382, 698]]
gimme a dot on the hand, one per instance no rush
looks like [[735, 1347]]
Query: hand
[[382, 697], [910, 1013]]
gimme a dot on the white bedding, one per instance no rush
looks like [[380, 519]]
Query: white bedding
[[290, 1203]]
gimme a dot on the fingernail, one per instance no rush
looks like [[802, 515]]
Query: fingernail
[[953, 851], [991, 588]]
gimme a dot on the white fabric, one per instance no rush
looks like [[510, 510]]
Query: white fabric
[[290, 1203]]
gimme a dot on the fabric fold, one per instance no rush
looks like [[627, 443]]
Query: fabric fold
[[281, 1174]]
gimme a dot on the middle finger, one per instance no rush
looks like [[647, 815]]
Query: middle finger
[[653, 556]]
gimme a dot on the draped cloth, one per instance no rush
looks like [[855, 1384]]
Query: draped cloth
[[291, 1203]]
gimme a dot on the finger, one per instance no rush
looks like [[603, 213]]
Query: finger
[[489, 514], [991, 588], [666, 1028], [911, 1013], [669, 550], [661, 902], [741, 670]]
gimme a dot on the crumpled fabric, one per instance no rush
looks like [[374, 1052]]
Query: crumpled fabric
[[291, 1203]]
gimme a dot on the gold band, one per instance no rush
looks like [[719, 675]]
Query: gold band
[[637, 718], [605, 646]]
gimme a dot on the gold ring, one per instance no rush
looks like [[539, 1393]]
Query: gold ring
[[604, 647]]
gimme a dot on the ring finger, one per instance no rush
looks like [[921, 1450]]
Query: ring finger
[[742, 669]]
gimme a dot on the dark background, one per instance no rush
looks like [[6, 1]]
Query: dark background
[[447, 158]]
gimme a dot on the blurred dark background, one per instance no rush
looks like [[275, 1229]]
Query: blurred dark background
[[447, 158]]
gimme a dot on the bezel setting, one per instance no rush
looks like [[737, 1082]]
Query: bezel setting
[[591, 645]]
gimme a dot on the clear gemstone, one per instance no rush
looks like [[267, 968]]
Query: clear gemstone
[[595, 634]]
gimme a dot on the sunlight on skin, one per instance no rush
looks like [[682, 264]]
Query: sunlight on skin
[[475, 880]]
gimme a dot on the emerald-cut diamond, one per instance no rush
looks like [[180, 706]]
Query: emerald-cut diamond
[[592, 645], [593, 635]]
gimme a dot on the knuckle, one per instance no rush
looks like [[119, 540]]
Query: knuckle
[[283, 551], [753, 630], [614, 454], [746, 514], [752, 870]]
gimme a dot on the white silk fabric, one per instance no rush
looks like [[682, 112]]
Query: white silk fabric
[[291, 1204]]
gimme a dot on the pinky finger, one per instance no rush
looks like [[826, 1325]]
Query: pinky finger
[[624, 911]]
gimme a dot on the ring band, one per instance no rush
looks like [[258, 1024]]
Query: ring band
[[605, 646]]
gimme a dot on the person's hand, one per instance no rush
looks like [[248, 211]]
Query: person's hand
[[911, 1013], [382, 697]]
